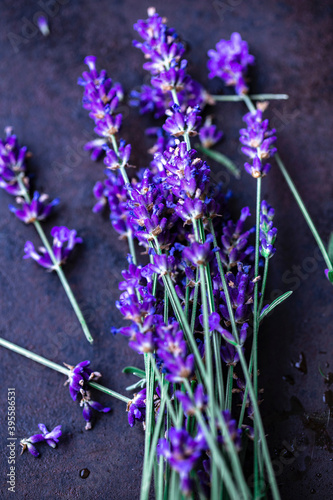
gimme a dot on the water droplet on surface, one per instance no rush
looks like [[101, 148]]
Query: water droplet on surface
[[318, 474], [84, 473], [313, 491]]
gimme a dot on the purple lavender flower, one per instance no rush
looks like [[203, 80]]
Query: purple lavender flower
[[199, 254], [257, 142], [241, 292], [215, 324], [208, 134], [101, 98], [37, 209], [229, 354], [164, 51], [230, 62], [114, 161], [136, 408], [51, 438], [96, 146], [198, 403], [64, 240], [171, 349], [233, 431], [162, 264], [78, 375], [43, 25], [88, 406], [268, 233], [12, 163], [235, 245], [180, 123], [28, 444], [183, 453]]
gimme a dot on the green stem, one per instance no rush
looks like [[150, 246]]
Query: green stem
[[263, 286], [218, 457], [149, 420], [229, 388], [58, 368], [249, 103], [148, 468], [254, 97], [57, 267], [126, 181], [220, 158], [255, 335], [257, 416], [304, 211]]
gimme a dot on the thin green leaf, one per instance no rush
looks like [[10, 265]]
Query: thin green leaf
[[275, 303], [330, 247], [330, 276], [140, 383], [135, 371], [220, 158]]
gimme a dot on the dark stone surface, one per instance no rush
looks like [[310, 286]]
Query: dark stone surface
[[292, 41]]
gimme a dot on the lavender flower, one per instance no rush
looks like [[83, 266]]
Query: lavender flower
[[171, 349], [198, 403], [268, 233], [88, 406], [199, 254], [28, 444], [235, 244], [233, 431], [37, 209], [101, 98], [183, 453], [12, 163], [215, 324], [64, 240], [257, 140], [43, 25], [230, 62], [51, 438], [136, 408], [78, 375], [163, 50], [241, 292], [180, 123], [208, 134]]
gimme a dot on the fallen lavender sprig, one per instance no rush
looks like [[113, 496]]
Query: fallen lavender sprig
[[14, 180]]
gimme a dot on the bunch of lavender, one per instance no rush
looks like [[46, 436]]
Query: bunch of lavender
[[14, 180], [190, 307]]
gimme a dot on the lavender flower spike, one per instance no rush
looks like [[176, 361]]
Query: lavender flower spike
[[64, 240], [37, 209], [268, 233], [230, 61]]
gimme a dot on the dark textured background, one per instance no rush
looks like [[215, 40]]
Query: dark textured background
[[292, 42]]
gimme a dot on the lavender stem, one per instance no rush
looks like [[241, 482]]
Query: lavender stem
[[54, 366], [57, 267]]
